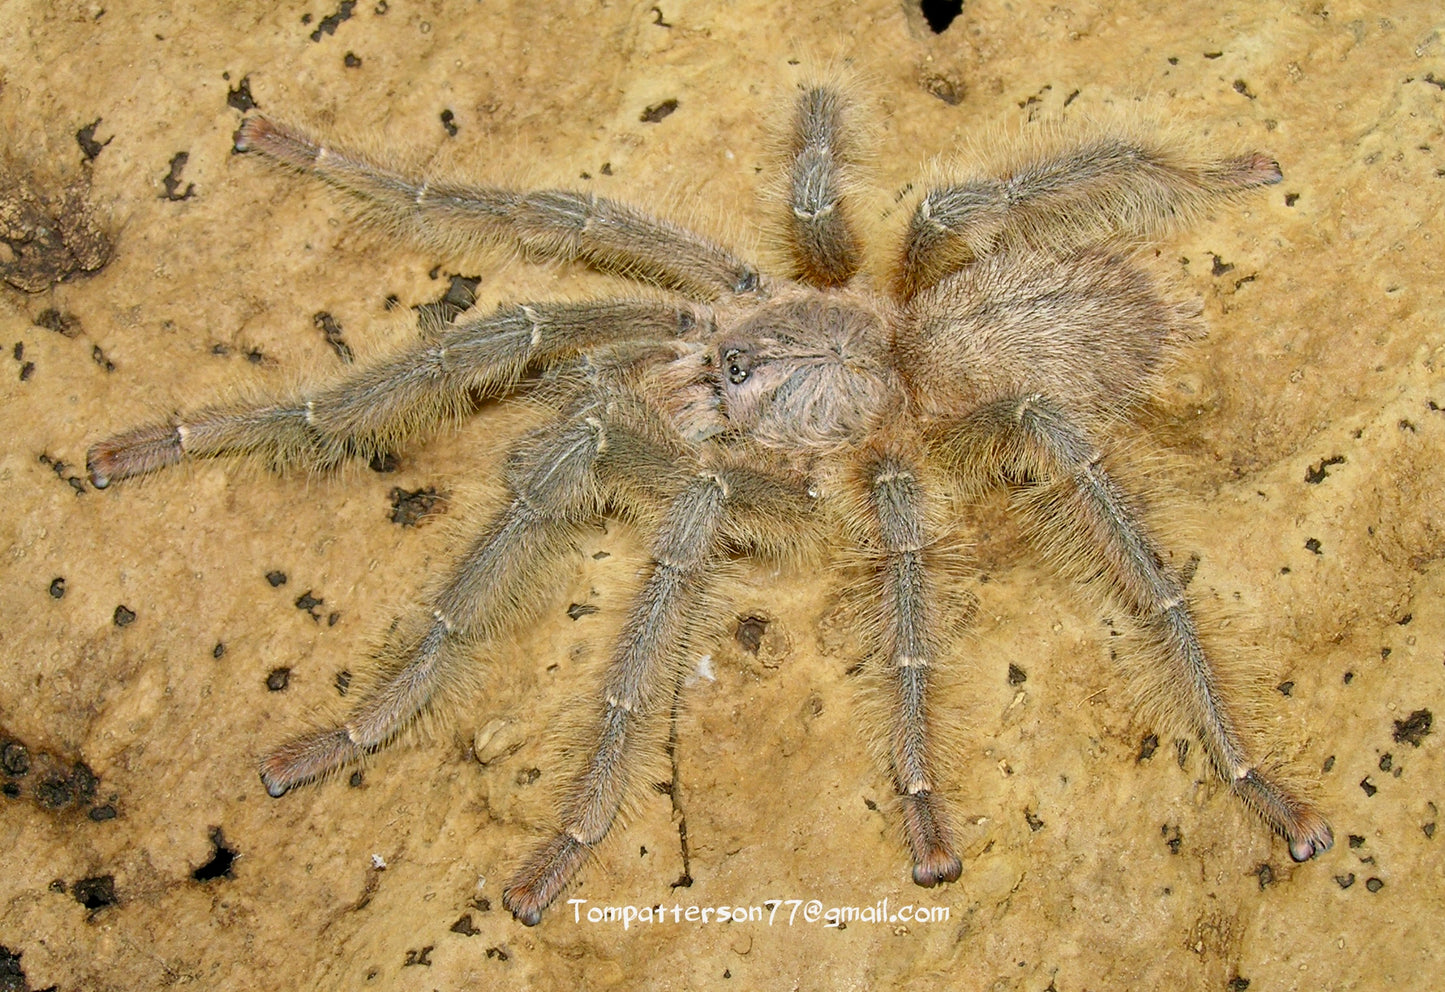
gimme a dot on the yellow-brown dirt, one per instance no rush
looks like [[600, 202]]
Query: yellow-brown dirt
[[1085, 867]]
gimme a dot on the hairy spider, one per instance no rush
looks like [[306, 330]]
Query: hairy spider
[[738, 414]]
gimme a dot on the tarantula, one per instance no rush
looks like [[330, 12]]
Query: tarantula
[[738, 414]]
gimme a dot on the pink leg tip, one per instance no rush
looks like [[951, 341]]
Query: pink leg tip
[[931, 841], [135, 452], [940, 866], [543, 878], [306, 758], [1314, 839]]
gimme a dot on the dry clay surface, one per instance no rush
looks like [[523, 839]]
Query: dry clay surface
[[161, 635]]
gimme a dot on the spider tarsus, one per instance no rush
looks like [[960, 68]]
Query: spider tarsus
[[289, 145], [543, 878], [931, 841], [1305, 848], [305, 758], [247, 134], [1301, 825], [135, 452], [943, 868], [939, 865], [1256, 169]]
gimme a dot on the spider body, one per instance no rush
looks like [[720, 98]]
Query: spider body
[[803, 373], [742, 414]]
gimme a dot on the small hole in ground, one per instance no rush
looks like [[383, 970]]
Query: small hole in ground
[[220, 864], [940, 13], [95, 893]]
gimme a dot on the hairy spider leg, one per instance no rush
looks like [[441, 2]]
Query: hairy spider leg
[[825, 250], [495, 586], [553, 224], [1085, 517], [1105, 191], [907, 649], [377, 408], [698, 528]]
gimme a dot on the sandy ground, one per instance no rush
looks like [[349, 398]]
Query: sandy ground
[[148, 659]]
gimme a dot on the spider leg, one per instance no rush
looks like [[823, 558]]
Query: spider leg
[[701, 522], [1084, 511], [496, 585], [374, 409], [1106, 191], [824, 247], [908, 646], [553, 224]]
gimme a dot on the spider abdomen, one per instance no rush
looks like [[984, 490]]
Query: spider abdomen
[[1088, 330]]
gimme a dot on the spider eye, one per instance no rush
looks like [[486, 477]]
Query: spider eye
[[736, 364]]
